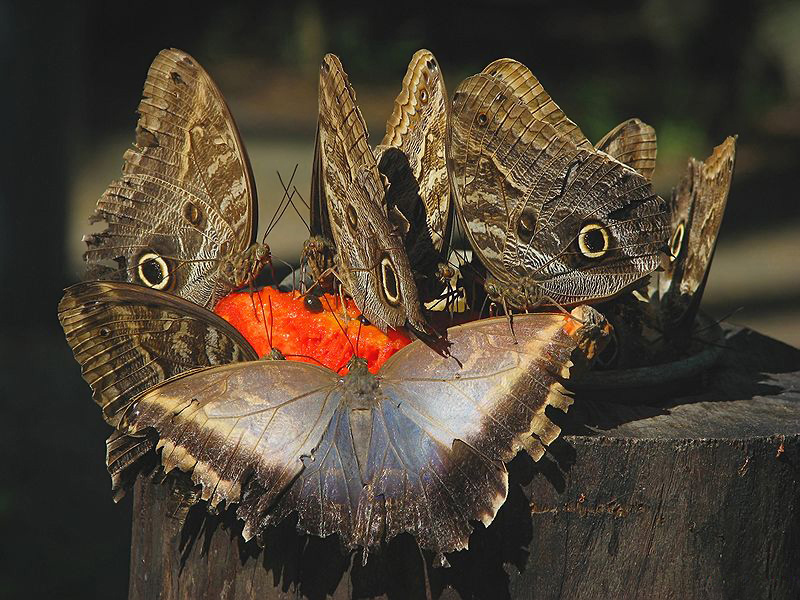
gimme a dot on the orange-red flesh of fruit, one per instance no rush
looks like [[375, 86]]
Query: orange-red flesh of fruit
[[270, 318]]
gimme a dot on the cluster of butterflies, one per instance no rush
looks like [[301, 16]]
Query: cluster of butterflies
[[551, 219]]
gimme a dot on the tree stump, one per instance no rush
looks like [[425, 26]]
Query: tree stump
[[688, 496]]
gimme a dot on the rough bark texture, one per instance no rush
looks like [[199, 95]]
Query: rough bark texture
[[649, 495]]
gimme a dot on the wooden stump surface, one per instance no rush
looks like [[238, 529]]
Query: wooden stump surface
[[646, 495]]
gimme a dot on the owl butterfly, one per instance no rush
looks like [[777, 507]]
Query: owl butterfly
[[553, 219], [348, 192], [128, 338], [697, 205], [412, 157], [419, 448], [182, 218]]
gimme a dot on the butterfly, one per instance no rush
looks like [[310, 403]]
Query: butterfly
[[658, 324], [419, 448], [348, 190], [413, 159], [182, 218], [552, 218], [697, 206], [128, 338]]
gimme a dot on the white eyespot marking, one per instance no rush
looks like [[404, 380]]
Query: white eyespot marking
[[389, 282], [593, 240], [153, 271], [676, 242]]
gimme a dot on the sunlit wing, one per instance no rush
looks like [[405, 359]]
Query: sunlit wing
[[128, 338], [226, 425], [186, 193]]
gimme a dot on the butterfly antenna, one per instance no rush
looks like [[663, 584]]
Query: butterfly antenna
[[344, 331], [291, 195], [721, 320], [296, 192], [268, 330], [303, 200], [285, 200], [309, 357], [287, 196], [282, 208], [711, 325], [358, 335]]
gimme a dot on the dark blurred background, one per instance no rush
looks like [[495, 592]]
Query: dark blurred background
[[697, 70]]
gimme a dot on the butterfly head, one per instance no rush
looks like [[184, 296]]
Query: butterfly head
[[242, 269], [360, 385], [274, 354]]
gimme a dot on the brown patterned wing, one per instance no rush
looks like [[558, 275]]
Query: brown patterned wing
[[183, 214], [247, 422], [698, 205], [633, 143], [524, 85], [370, 257], [551, 221], [412, 157], [128, 338]]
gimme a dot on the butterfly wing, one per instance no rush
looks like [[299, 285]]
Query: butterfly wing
[[186, 199], [524, 85], [539, 209], [698, 205], [371, 260], [128, 338], [633, 143], [245, 422], [445, 426], [412, 157]]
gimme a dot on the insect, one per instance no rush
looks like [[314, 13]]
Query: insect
[[553, 219], [370, 258], [183, 216], [420, 447], [413, 159], [697, 207], [128, 338]]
